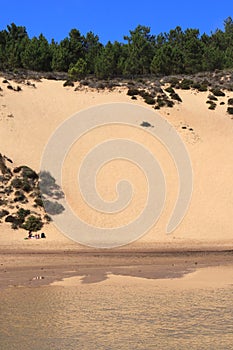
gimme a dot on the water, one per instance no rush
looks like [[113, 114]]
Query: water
[[119, 316]]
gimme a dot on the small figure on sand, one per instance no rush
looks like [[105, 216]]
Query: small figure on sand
[[36, 236]]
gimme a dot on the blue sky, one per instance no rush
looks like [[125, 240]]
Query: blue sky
[[111, 20]]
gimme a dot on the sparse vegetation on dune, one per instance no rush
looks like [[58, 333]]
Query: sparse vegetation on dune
[[159, 92], [23, 202], [162, 92], [230, 110]]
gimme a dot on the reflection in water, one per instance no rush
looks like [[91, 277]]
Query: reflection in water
[[124, 316]]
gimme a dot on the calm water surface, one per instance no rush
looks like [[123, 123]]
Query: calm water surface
[[103, 316]]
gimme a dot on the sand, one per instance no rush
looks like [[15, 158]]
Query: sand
[[28, 118], [140, 279], [195, 269], [209, 277]]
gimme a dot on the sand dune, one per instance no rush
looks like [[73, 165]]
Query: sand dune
[[28, 118]]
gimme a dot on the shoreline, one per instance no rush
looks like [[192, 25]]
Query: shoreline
[[33, 269]]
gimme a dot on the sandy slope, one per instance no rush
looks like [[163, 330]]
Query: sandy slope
[[28, 118]]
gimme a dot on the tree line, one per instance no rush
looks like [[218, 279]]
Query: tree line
[[142, 53]]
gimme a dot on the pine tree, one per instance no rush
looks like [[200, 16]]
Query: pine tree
[[92, 48], [140, 51], [16, 39], [37, 54]]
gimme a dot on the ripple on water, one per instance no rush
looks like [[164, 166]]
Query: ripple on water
[[105, 316]]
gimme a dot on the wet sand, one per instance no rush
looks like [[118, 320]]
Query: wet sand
[[40, 268]]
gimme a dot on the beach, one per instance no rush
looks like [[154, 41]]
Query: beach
[[20, 268]]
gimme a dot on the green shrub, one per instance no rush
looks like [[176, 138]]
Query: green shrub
[[230, 110], [10, 218], [217, 92], [186, 84], [212, 98], [143, 93], [17, 169], [23, 213], [170, 90], [13, 220], [33, 224], [212, 105], [18, 88], [29, 173], [84, 82], [14, 226], [174, 81], [20, 197], [17, 183], [229, 87], [230, 101], [68, 83], [149, 100], [170, 103], [205, 82], [47, 218], [196, 85], [161, 102], [21, 184], [8, 190], [101, 85], [203, 88], [38, 201], [3, 213], [26, 172], [51, 76], [18, 193], [26, 186], [222, 103], [3, 202], [176, 97], [133, 92], [17, 219]]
